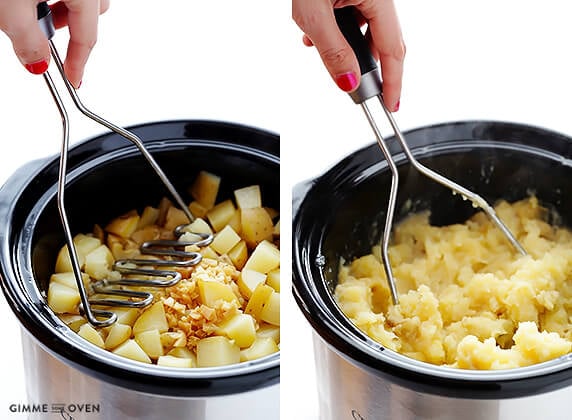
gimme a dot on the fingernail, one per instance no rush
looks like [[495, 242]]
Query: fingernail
[[396, 107], [38, 67], [346, 81], [79, 84]]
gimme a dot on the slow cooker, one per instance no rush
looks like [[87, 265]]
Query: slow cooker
[[358, 378], [107, 176]]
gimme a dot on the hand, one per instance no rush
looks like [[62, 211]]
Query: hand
[[18, 19], [316, 19]]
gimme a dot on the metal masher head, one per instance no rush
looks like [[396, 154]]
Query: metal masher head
[[175, 249], [370, 87]]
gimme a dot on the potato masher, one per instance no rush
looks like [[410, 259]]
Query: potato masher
[[161, 278], [371, 86]]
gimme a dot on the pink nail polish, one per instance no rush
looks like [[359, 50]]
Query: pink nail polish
[[396, 107], [38, 67], [79, 84], [346, 81]]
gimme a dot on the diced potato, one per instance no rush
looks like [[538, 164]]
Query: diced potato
[[269, 331], [183, 353], [172, 361], [99, 262], [249, 280], [197, 209], [126, 316], [176, 339], [90, 334], [256, 225], [271, 311], [273, 279], [235, 223], [117, 335], [220, 214], [225, 240], [238, 255], [164, 205], [148, 217], [73, 321], [217, 351], [175, 217], [264, 258], [84, 244], [259, 297], [271, 212], [153, 318], [132, 350], [240, 328], [248, 197], [150, 342], [99, 233], [276, 230], [205, 189], [212, 291], [62, 299], [208, 252], [146, 233], [260, 348], [125, 225], [68, 279], [199, 226]]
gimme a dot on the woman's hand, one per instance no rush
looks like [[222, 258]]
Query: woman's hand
[[18, 19], [316, 19]]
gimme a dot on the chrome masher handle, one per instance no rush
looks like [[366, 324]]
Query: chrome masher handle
[[99, 318]]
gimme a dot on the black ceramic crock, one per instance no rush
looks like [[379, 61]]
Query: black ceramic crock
[[497, 160], [107, 176]]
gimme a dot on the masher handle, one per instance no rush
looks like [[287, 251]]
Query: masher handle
[[45, 19], [370, 83]]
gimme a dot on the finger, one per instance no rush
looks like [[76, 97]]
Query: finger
[[307, 41], [317, 20], [60, 12], [20, 22], [82, 18], [387, 42]]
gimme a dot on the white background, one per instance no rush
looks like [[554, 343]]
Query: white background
[[244, 62]]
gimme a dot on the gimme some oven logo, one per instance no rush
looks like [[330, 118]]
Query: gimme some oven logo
[[64, 411]]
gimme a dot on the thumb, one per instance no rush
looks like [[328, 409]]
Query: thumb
[[29, 42], [336, 53]]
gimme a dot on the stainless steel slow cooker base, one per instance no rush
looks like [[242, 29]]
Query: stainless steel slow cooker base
[[359, 395], [61, 385]]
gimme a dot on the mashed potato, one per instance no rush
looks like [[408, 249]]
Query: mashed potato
[[467, 299]]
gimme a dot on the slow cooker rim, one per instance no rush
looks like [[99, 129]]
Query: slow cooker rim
[[328, 328], [169, 381]]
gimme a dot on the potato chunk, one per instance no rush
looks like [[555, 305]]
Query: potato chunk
[[256, 225], [248, 197], [125, 225], [212, 291], [62, 299], [217, 351], [132, 350], [172, 361], [271, 310], [152, 319], [118, 334], [264, 258], [205, 189], [225, 240], [261, 347], [239, 328]]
